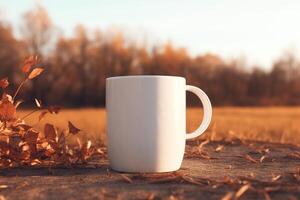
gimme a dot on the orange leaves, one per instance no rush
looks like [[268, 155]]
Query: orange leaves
[[50, 132], [7, 109], [29, 63], [31, 136], [35, 72], [21, 144], [15, 140], [4, 83], [72, 129], [26, 68], [26, 146]]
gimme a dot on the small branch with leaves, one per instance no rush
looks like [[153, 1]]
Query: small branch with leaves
[[22, 145]]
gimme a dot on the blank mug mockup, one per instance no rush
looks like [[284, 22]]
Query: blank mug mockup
[[146, 122]]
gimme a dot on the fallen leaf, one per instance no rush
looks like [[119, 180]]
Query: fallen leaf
[[15, 140], [126, 178], [205, 155], [35, 72], [89, 144], [262, 159], [267, 196], [62, 139], [150, 196], [267, 150], [24, 127], [219, 148], [228, 180], [241, 191], [31, 136], [172, 197], [227, 196], [35, 162], [201, 145], [3, 186], [2, 197], [228, 167], [248, 157], [72, 129], [276, 177], [191, 180]]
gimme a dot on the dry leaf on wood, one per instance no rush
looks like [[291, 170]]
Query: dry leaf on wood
[[262, 159], [126, 178], [31, 136], [227, 196], [249, 158], [267, 196], [150, 196], [205, 142], [276, 177], [242, 190], [3, 186], [219, 148]]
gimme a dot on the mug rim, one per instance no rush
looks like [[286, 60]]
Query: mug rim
[[143, 76]]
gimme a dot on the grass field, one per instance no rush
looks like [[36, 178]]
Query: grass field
[[276, 124]]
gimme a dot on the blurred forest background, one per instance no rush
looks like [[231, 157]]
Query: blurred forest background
[[76, 66]]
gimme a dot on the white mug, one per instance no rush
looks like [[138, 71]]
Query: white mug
[[146, 118]]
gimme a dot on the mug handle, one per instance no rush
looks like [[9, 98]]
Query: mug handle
[[206, 114]]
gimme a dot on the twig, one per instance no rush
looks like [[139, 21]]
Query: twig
[[20, 86], [30, 114]]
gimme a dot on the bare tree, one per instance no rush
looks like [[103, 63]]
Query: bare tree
[[37, 30]]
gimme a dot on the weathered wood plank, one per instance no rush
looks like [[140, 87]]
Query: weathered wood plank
[[216, 174]]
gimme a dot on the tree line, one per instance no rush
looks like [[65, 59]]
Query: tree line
[[76, 67]]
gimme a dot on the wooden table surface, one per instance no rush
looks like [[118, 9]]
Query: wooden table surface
[[214, 170]]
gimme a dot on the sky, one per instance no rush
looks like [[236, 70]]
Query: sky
[[258, 30]]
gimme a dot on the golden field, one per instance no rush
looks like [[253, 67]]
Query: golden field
[[274, 124]]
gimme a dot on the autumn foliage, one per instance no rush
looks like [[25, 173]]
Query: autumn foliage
[[78, 64], [23, 145]]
